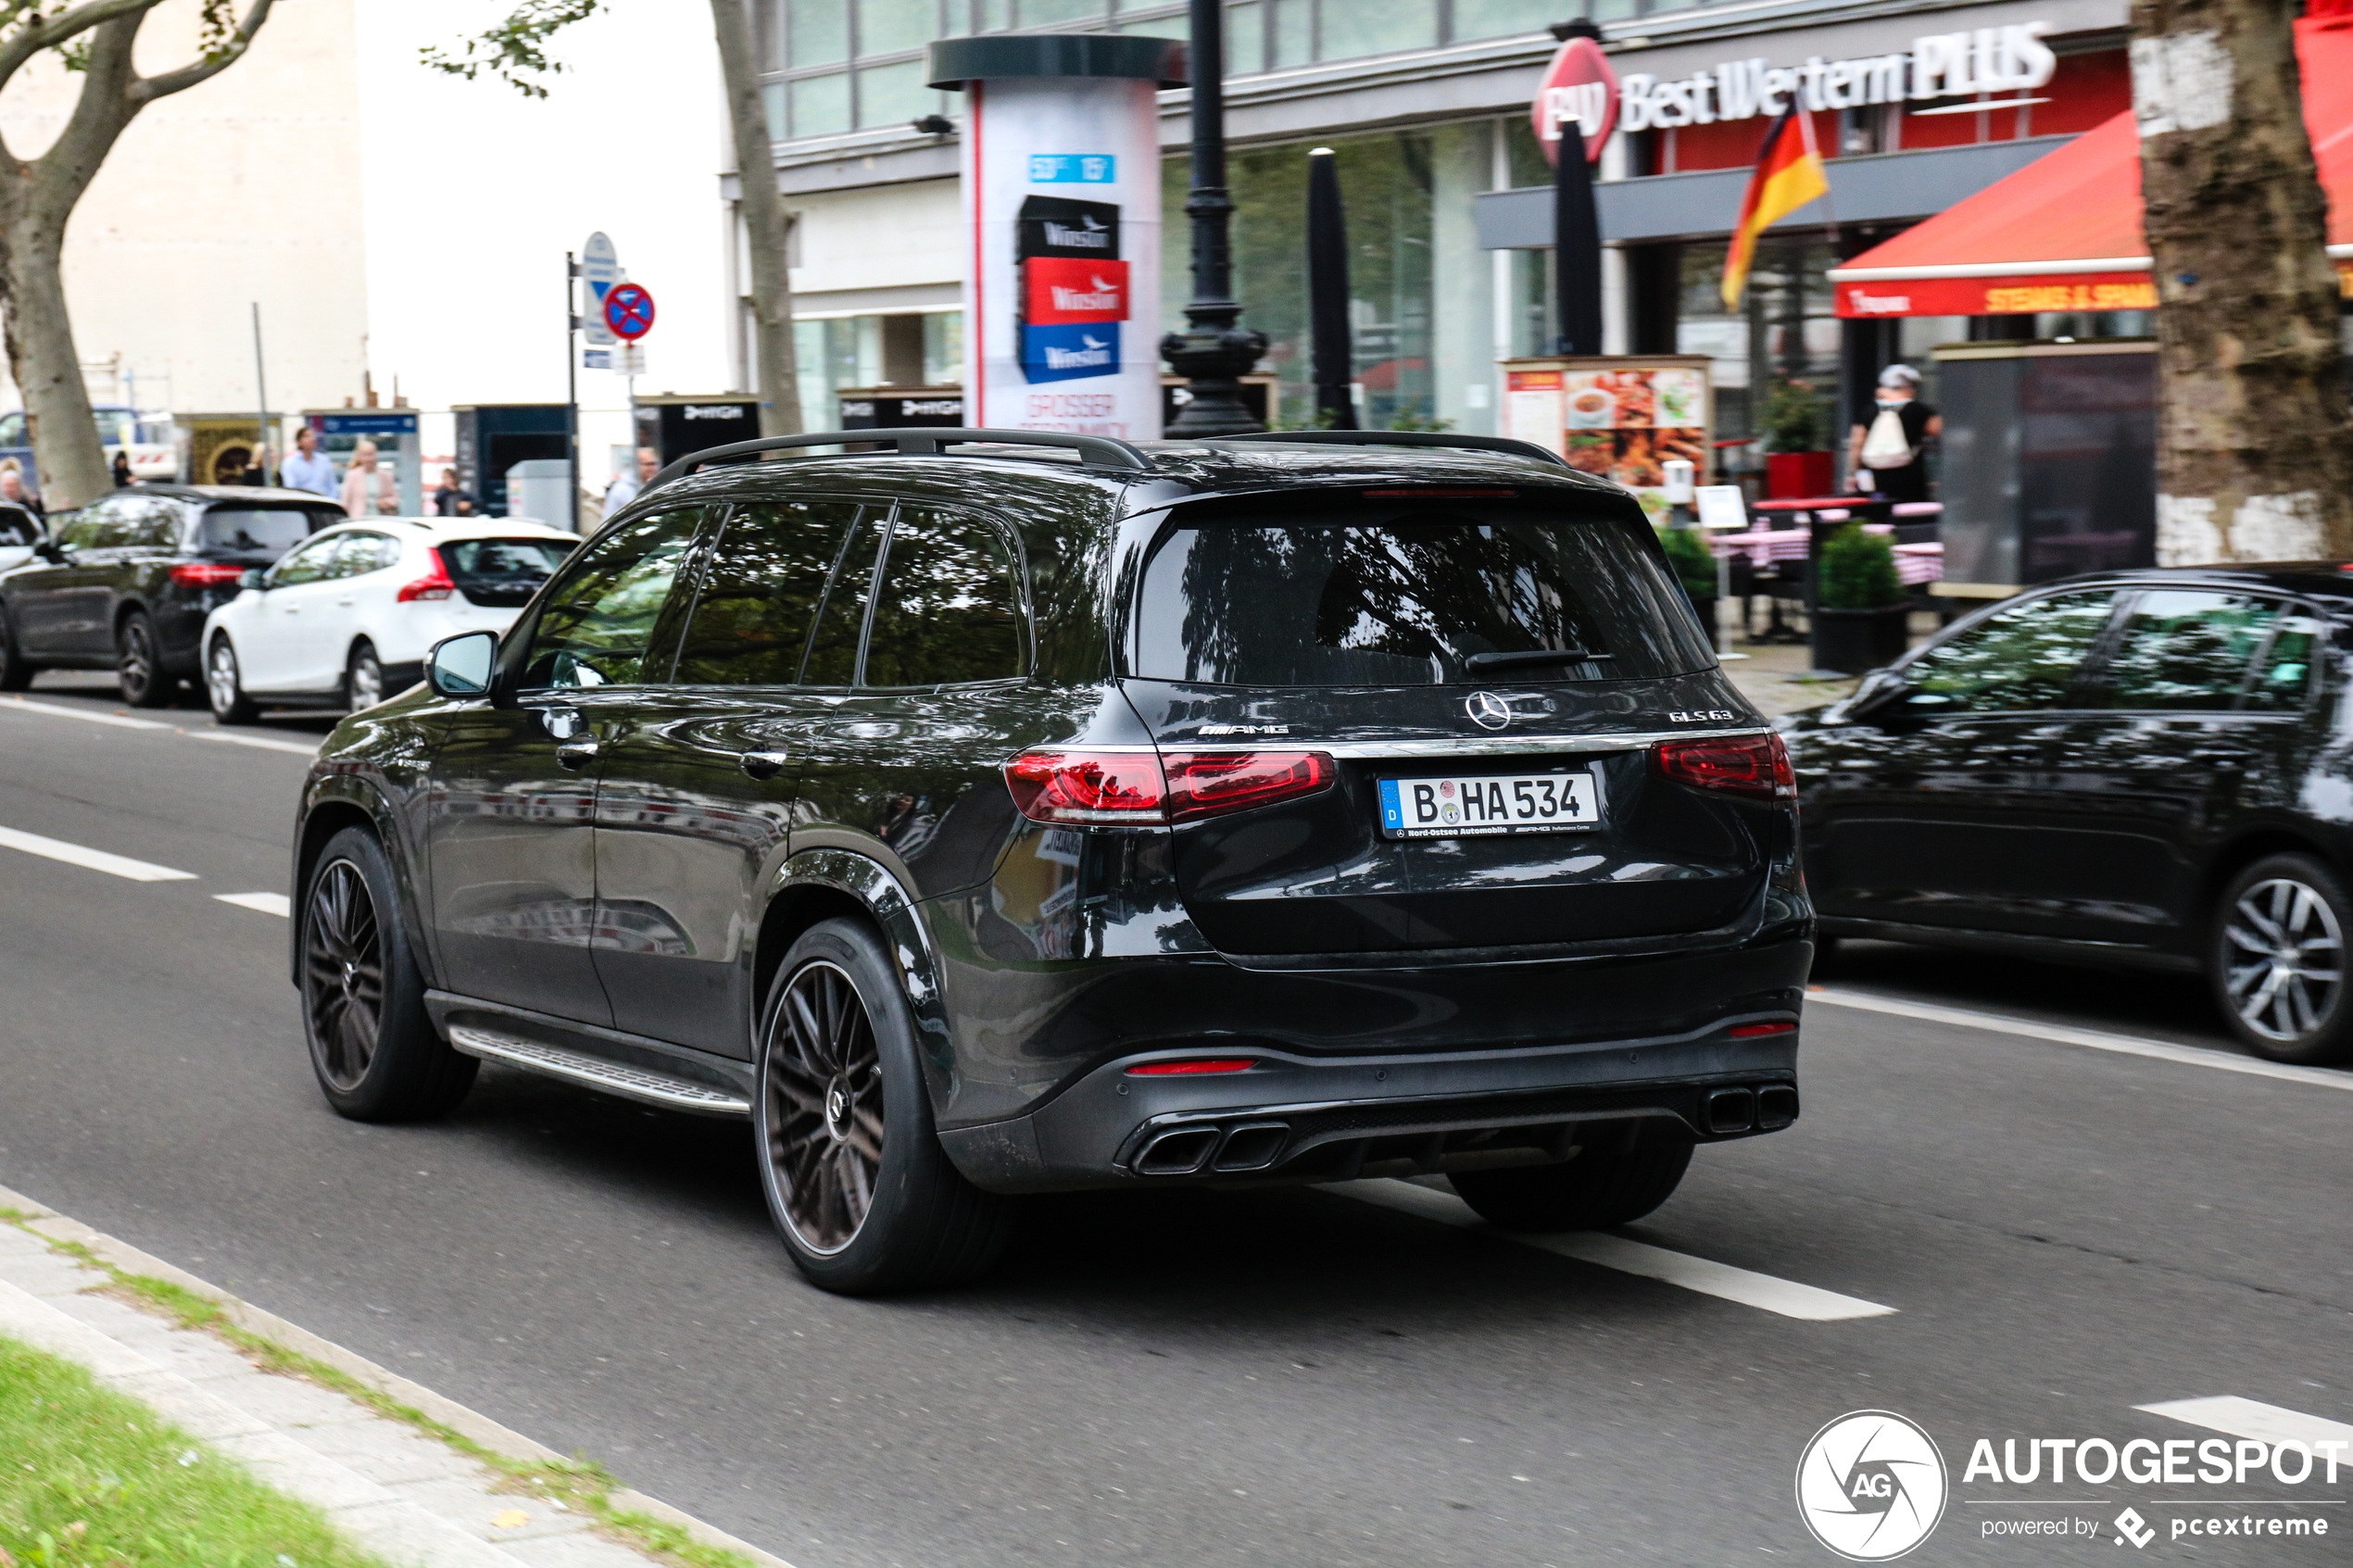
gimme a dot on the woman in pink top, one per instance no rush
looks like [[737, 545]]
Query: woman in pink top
[[366, 488]]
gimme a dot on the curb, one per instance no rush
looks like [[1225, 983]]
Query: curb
[[472, 1425]]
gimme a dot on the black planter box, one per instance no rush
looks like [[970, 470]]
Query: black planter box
[[1854, 641]]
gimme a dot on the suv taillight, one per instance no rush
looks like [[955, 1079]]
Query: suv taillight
[[433, 585], [1133, 788], [206, 574], [1756, 766]]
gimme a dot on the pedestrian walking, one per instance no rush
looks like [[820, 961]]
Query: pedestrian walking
[[122, 480], [12, 490], [309, 468], [625, 487], [367, 489], [1885, 458]]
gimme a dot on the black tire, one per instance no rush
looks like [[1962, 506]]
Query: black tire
[[16, 670], [1622, 1171], [138, 663], [2276, 960], [363, 677], [224, 687], [840, 1105], [376, 1053]]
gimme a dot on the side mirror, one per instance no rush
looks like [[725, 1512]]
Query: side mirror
[[253, 577], [462, 665]]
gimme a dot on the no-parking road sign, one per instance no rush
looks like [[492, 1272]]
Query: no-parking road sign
[[629, 311]]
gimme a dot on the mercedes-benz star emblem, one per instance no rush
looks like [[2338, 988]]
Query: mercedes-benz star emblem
[[1488, 710]]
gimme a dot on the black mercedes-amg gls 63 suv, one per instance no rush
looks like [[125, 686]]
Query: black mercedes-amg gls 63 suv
[[988, 812]]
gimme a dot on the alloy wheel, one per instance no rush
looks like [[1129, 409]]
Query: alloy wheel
[[343, 970], [2284, 959], [221, 677], [137, 669], [824, 1086]]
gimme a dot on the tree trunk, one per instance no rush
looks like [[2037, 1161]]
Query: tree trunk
[[2254, 447], [63, 431], [767, 227]]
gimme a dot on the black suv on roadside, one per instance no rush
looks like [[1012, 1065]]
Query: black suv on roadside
[[1008, 812], [125, 583]]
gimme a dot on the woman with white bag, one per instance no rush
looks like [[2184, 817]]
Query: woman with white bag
[[1885, 459]]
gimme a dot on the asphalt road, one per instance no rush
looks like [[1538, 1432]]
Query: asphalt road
[[1277, 1379]]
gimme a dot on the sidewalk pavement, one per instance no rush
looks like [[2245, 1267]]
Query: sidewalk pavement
[[403, 1495]]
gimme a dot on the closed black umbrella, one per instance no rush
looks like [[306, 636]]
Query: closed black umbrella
[[1576, 245], [1331, 357]]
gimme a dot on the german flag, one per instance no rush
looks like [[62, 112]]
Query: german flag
[[1788, 175]]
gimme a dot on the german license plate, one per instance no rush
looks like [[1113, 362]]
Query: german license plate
[[1489, 803]]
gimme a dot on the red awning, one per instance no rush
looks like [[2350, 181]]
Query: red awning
[[2064, 233]]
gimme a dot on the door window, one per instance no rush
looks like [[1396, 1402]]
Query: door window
[[313, 562], [99, 526], [2024, 657], [760, 594], [2185, 648], [602, 620], [946, 609], [833, 647]]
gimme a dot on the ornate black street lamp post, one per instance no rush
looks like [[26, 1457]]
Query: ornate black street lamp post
[[1215, 351]]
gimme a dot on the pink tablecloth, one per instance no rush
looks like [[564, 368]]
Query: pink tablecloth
[[1915, 564]]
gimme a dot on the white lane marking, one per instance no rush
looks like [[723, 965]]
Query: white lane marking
[[1721, 1280], [2094, 1040], [123, 721], [267, 903], [94, 859], [2264, 1424]]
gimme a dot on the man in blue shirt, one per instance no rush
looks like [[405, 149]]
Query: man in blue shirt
[[309, 468]]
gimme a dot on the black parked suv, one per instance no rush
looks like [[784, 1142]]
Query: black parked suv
[[2143, 770], [125, 583], [1009, 812]]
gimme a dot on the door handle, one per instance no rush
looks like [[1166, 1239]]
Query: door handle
[[763, 764], [576, 755], [2222, 755]]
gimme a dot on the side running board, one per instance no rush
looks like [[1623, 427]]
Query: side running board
[[631, 1082]]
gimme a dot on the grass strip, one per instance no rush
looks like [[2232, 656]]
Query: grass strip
[[92, 1476], [582, 1485]]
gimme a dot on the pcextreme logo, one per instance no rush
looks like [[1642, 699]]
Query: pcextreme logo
[[1872, 1485]]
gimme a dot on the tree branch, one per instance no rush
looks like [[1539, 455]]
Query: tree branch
[[100, 112], [38, 35], [147, 89]]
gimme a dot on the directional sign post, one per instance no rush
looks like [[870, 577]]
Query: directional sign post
[[601, 270], [629, 311]]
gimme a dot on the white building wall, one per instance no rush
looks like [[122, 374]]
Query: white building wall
[[245, 189], [905, 236]]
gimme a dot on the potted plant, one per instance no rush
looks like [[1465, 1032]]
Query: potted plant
[[1694, 566], [1860, 610], [1797, 458]]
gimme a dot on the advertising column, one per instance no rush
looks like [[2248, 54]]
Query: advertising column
[[1061, 212]]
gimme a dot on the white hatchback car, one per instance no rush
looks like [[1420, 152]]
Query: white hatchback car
[[346, 618]]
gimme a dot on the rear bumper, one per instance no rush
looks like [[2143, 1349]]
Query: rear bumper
[[1294, 1118]]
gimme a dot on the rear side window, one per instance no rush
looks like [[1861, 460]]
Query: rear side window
[[946, 609], [2186, 649], [501, 572], [363, 553], [761, 593], [262, 531], [1364, 598]]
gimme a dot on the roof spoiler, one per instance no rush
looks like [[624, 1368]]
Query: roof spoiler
[[1094, 451], [1504, 445]]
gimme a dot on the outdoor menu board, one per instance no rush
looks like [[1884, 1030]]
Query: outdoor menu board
[[1621, 417]]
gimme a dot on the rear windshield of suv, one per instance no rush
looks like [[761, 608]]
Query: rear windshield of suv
[[263, 530], [501, 572], [1368, 599]]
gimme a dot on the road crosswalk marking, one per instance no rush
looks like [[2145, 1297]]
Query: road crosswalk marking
[[94, 859], [267, 903], [2094, 1040], [2250, 1417], [1787, 1297]]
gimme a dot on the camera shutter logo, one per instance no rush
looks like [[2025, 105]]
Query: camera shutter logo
[[1488, 710], [1872, 1485]]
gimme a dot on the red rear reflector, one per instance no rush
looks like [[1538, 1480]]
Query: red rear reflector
[[1743, 1031], [1425, 493], [1751, 765], [206, 574], [434, 584], [1213, 1064], [1116, 788], [1206, 783]]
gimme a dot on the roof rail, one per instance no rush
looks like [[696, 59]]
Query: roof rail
[[1401, 438], [1100, 451]]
